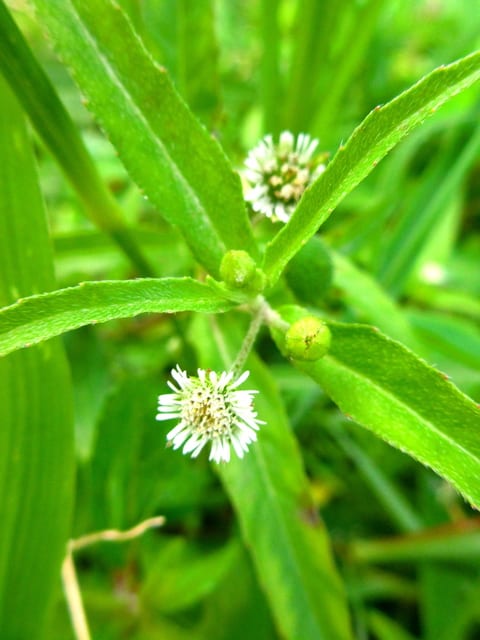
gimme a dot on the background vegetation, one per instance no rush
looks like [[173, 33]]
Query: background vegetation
[[248, 549]]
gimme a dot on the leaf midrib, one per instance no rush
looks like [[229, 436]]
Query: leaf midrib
[[263, 469], [116, 79], [391, 396]]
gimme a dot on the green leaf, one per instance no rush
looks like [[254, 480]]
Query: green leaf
[[386, 388], [458, 542], [181, 168], [239, 603], [280, 526], [385, 490], [182, 575], [383, 628], [36, 438], [381, 130], [55, 127], [39, 317]]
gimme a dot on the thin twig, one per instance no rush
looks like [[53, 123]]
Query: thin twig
[[114, 535], [71, 588], [74, 600]]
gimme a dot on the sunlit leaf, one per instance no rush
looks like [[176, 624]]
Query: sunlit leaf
[[388, 389], [39, 317], [181, 168]]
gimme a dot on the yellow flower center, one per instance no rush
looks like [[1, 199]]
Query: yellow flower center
[[207, 412]]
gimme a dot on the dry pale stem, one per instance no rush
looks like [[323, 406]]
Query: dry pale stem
[[71, 587]]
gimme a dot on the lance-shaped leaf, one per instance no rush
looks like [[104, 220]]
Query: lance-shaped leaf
[[181, 168], [36, 437], [381, 130], [36, 318], [388, 389], [53, 124]]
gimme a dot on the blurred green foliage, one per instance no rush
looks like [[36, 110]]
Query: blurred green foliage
[[401, 252]]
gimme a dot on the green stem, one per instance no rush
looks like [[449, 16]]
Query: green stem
[[249, 339], [262, 313]]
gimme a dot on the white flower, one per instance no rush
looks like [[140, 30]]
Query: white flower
[[210, 409], [280, 172]]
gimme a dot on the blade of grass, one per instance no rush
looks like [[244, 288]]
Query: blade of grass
[[388, 494], [400, 253], [270, 66], [36, 438], [363, 293], [345, 66], [197, 59], [458, 542], [54, 125]]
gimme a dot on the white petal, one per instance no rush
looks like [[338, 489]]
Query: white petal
[[180, 377], [168, 398], [226, 451], [175, 431], [199, 448], [240, 380], [191, 444], [237, 445], [215, 451], [167, 416], [286, 141], [180, 438]]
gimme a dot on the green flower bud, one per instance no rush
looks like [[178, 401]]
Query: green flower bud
[[239, 271], [307, 339]]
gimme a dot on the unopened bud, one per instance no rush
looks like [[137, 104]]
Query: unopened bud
[[307, 339], [239, 271]]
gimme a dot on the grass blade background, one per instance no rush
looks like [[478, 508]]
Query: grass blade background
[[363, 293], [386, 388], [182, 36], [40, 317], [36, 438], [55, 127], [400, 254], [381, 130], [341, 68], [169, 154], [272, 98], [197, 60], [269, 490]]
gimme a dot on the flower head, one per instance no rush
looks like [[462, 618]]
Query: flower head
[[210, 409], [280, 172]]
